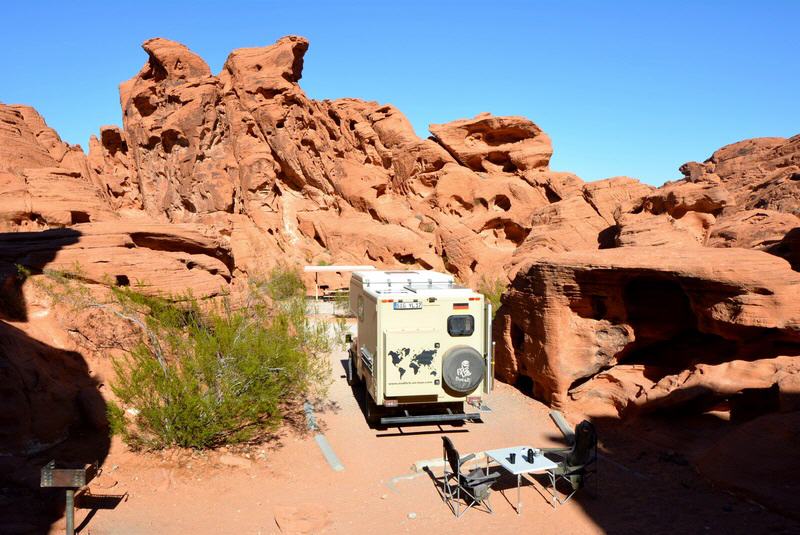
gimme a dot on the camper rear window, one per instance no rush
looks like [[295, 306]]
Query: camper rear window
[[461, 325]]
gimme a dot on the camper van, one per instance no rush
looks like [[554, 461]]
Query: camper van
[[423, 351]]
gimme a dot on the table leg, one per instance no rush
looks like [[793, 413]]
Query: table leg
[[519, 502]]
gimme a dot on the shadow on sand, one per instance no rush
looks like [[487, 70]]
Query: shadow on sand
[[680, 472], [652, 478], [50, 405]]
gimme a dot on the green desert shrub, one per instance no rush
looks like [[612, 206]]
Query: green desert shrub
[[493, 290], [283, 283], [205, 374]]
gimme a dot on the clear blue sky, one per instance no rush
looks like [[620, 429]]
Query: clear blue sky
[[623, 88]]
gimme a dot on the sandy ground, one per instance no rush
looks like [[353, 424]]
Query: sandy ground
[[288, 487]]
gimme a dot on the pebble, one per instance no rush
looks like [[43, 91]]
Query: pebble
[[412, 516], [234, 460]]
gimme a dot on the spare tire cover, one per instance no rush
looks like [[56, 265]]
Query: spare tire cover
[[462, 369]]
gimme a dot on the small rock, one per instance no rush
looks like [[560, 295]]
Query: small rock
[[302, 519], [235, 460], [104, 481], [412, 516]]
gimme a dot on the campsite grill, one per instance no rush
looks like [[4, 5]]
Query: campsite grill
[[70, 478]]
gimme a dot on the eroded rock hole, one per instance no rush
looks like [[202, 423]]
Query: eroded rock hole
[[599, 308], [502, 202], [407, 259], [525, 385], [319, 240], [122, 280], [666, 329], [497, 157], [505, 136], [143, 105], [156, 70], [517, 338], [335, 117], [189, 206], [268, 93], [112, 141], [152, 142], [607, 238], [515, 232], [551, 195], [657, 309], [79, 217], [170, 138]]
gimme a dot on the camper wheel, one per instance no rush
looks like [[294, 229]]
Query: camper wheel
[[371, 409], [372, 412]]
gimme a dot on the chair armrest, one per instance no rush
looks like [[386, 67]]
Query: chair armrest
[[466, 458], [555, 450], [473, 480]]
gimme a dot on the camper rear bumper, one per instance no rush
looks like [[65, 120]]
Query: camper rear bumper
[[429, 418]]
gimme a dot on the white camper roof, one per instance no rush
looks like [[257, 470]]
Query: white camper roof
[[410, 282]]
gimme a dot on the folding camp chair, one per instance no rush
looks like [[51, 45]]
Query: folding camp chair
[[471, 488], [575, 464]]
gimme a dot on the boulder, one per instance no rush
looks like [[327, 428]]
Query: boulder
[[155, 258], [760, 173], [569, 316], [643, 229], [25, 142], [616, 195], [752, 229], [488, 143], [567, 225]]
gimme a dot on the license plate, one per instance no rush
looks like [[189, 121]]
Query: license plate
[[412, 305]]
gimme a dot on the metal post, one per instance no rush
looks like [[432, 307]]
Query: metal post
[[70, 511]]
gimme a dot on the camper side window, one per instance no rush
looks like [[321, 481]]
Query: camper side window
[[461, 325]]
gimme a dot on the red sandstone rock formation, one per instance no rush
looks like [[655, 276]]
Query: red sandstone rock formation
[[744, 197], [284, 178], [213, 178], [487, 143], [280, 177], [644, 328]]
